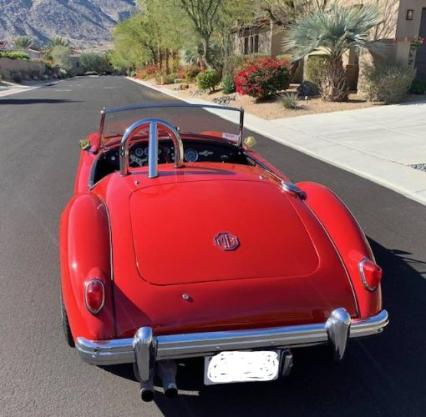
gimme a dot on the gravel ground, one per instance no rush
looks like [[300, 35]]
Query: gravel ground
[[421, 167], [273, 109]]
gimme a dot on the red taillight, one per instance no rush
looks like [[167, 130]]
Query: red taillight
[[94, 295], [371, 274]]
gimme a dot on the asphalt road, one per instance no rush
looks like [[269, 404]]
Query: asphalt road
[[41, 376]]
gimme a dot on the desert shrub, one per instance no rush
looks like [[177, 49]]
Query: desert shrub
[[418, 87], [151, 70], [191, 72], [146, 72], [92, 62], [180, 72], [289, 101], [316, 69], [263, 78], [141, 74], [14, 55], [163, 78], [387, 83], [228, 84], [61, 57], [208, 80]]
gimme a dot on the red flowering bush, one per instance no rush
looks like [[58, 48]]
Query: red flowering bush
[[263, 78], [151, 69], [180, 72], [147, 72]]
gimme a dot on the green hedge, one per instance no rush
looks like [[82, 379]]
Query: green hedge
[[14, 55]]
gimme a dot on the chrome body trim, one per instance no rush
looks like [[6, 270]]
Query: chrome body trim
[[152, 146], [293, 188], [179, 346], [285, 185]]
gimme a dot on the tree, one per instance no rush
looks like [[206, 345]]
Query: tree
[[23, 42], [133, 45], [283, 12], [93, 62], [204, 15], [332, 32], [61, 57], [167, 25], [232, 14]]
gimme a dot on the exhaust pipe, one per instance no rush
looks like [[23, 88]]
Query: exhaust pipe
[[167, 371], [147, 391]]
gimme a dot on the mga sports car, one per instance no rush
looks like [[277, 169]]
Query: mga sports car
[[181, 241]]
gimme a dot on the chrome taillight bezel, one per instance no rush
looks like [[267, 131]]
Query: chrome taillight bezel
[[361, 264], [86, 285]]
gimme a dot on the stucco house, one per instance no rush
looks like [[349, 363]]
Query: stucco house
[[403, 29], [263, 36]]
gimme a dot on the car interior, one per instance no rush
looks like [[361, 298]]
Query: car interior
[[205, 150]]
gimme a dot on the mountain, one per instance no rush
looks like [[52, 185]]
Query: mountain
[[86, 23]]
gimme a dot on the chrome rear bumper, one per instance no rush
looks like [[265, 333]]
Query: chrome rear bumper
[[145, 348]]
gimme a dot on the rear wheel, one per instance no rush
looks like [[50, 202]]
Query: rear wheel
[[66, 326]]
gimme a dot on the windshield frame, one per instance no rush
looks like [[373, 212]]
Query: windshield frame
[[111, 110]]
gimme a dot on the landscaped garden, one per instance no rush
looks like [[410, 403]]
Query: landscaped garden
[[197, 58], [262, 86]]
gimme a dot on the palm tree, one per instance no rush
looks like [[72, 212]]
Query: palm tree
[[23, 42], [333, 31], [58, 41]]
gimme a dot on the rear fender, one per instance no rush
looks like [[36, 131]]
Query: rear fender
[[348, 238], [84, 254]]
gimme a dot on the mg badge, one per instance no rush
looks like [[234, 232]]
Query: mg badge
[[227, 241]]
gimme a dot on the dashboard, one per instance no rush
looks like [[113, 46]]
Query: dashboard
[[194, 151]]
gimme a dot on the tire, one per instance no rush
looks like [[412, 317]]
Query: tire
[[66, 326]]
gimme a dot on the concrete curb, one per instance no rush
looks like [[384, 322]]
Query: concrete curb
[[390, 174], [15, 90], [12, 88]]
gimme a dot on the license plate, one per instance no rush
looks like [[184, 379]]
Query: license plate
[[236, 366]]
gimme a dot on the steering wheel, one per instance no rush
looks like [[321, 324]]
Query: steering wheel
[[153, 125]]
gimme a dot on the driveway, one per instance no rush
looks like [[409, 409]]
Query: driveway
[[40, 376], [381, 143]]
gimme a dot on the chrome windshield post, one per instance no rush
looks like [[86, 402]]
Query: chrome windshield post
[[240, 139], [153, 151], [153, 145]]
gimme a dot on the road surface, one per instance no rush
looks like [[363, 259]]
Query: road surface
[[41, 376]]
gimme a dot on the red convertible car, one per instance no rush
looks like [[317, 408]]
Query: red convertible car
[[180, 241]]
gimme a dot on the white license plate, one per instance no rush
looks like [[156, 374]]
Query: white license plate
[[236, 366]]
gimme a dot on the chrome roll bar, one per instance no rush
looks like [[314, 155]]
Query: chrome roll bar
[[152, 145]]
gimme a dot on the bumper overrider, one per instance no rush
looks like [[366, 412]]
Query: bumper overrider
[[145, 348]]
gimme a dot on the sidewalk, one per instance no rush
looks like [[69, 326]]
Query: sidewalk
[[377, 143], [8, 88]]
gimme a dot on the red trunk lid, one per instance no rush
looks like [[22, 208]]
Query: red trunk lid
[[285, 270], [175, 225]]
